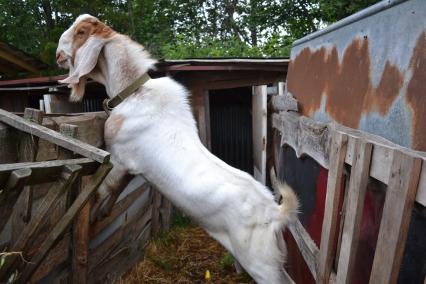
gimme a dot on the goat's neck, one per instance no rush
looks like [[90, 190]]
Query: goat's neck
[[120, 64]]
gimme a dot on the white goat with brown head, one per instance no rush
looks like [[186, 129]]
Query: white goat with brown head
[[153, 133]]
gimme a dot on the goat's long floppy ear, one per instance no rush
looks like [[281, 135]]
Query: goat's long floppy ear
[[85, 59]]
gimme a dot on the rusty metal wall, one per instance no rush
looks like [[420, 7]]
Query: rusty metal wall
[[367, 71]]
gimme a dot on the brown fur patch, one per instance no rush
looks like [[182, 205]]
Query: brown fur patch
[[112, 126], [87, 28]]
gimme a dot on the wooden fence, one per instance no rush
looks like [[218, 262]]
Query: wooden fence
[[46, 234], [333, 146]]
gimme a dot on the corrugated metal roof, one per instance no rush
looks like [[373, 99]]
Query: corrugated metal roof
[[214, 64]]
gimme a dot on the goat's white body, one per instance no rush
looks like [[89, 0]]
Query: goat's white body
[[159, 140], [153, 133]]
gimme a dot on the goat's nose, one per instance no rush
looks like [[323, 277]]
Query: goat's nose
[[60, 57]]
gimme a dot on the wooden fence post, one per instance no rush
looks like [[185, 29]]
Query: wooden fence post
[[28, 146], [339, 143], [399, 202], [355, 204]]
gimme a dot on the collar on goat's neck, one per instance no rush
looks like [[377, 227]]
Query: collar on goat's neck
[[110, 104]]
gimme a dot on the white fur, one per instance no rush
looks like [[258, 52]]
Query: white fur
[[158, 139]]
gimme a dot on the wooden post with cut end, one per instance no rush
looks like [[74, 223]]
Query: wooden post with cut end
[[57, 255], [400, 196], [339, 143], [66, 221], [355, 204], [28, 147], [80, 230], [10, 193]]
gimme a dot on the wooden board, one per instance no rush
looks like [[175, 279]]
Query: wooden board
[[306, 245], [354, 208], [71, 144], [334, 191], [118, 209], [396, 217], [304, 135], [28, 148], [259, 117], [46, 171]]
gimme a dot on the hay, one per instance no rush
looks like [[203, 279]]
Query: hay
[[184, 255]]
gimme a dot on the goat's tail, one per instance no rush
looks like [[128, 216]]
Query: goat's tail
[[289, 205]]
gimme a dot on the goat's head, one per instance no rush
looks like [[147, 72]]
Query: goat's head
[[78, 50]]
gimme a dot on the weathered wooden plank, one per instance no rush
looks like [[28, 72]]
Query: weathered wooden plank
[[304, 135], [70, 174], [334, 190], [21, 212], [122, 260], [28, 144], [8, 149], [354, 208], [10, 193], [284, 102], [75, 145], [28, 147], [396, 216], [306, 245], [90, 127], [80, 230], [287, 124], [117, 210], [121, 236], [131, 237], [53, 259], [259, 135], [80, 242], [58, 230], [46, 171], [58, 254]]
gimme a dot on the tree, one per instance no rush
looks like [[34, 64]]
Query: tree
[[177, 28]]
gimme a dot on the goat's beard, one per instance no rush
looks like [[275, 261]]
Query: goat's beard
[[77, 90]]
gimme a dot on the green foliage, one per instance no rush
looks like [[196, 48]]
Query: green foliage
[[177, 28], [226, 261], [332, 10]]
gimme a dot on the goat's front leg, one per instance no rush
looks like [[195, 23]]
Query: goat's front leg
[[109, 190]]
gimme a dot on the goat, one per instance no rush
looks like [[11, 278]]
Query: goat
[[153, 133]]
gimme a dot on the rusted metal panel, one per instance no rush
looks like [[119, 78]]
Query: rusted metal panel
[[367, 72]]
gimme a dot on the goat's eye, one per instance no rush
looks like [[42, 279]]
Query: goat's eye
[[80, 32]]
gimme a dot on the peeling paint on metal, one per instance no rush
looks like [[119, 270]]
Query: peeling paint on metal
[[416, 93], [369, 75]]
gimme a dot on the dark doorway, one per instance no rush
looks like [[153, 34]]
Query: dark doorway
[[231, 127]]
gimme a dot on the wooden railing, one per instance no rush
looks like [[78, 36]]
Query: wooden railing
[[332, 145]]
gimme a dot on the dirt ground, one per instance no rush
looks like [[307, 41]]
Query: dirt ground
[[185, 254]]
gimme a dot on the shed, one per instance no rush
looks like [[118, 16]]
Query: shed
[[221, 95]]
